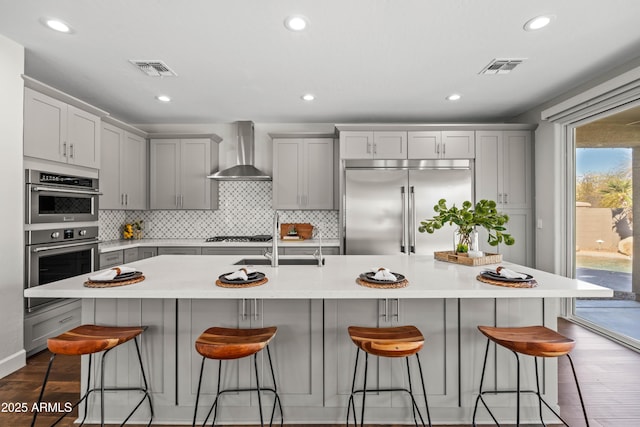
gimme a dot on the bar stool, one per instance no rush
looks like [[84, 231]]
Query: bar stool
[[227, 344], [536, 341], [400, 341], [89, 340]]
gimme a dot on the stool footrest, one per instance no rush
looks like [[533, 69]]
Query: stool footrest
[[495, 392]]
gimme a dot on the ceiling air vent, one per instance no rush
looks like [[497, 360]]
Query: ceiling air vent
[[154, 68], [501, 66]]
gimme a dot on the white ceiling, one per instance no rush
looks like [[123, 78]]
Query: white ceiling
[[365, 60]]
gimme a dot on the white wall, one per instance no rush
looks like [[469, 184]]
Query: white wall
[[12, 355]]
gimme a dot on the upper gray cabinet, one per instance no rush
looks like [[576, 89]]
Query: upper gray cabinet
[[373, 145], [303, 173], [57, 131], [178, 172], [451, 144], [123, 175]]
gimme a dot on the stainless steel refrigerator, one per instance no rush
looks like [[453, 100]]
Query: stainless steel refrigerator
[[386, 200]]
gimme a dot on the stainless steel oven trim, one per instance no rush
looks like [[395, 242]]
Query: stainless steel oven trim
[[66, 190], [33, 217]]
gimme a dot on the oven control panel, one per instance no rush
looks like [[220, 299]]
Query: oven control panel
[[34, 237]]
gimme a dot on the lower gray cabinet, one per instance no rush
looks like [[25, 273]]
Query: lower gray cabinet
[[45, 324], [111, 259], [130, 255], [187, 250], [436, 319], [147, 252], [310, 250], [296, 351], [233, 251]]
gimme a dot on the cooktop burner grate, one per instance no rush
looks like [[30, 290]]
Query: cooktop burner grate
[[257, 238]]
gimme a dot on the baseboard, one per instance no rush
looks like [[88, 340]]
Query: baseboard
[[12, 363]]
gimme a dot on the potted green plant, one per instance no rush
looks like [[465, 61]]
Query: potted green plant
[[467, 218]]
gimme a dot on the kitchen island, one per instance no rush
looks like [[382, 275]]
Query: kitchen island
[[313, 355]]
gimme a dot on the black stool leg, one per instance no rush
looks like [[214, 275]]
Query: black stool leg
[[44, 384], [364, 387], [215, 402], [413, 402], [275, 392], [255, 365], [480, 392], [351, 403], [535, 359], [195, 410], [86, 393], [424, 390], [517, 389], [575, 377]]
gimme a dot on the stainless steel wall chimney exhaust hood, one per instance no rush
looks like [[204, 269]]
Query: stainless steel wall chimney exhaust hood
[[244, 170]]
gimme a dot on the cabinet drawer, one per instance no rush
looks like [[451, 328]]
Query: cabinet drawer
[[130, 255], [179, 251], [233, 251], [111, 259], [310, 250], [42, 325]]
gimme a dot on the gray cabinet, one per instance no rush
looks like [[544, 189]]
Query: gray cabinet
[[373, 145], [436, 319], [296, 351], [111, 259], [240, 250], [504, 173], [190, 250], [303, 173], [310, 250], [123, 175], [57, 131], [147, 252], [178, 171], [441, 144], [130, 255], [45, 324]]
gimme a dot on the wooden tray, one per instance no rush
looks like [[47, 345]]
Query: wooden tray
[[241, 285], [464, 259], [401, 284], [528, 284]]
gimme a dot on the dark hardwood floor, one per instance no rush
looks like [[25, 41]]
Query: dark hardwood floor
[[609, 375]]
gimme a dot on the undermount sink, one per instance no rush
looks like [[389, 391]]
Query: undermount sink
[[281, 261]]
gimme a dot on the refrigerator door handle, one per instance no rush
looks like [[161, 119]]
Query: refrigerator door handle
[[412, 220], [404, 220]]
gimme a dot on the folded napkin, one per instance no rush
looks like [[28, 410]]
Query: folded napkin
[[384, 274], [112, 273], [242, 274], [510, 274]]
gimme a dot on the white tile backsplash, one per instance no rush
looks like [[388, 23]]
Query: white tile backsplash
[[244, 209]]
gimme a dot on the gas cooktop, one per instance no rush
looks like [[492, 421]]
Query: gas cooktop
[[256, 238]]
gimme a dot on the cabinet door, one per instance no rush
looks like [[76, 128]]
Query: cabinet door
[[179, 251], [233, 251], [424, 144], [111, 259], [110, 170], [83, 138], [133, 181], [195, 165], [287, 170], [458, 145], [147, 252], [164, 172], [389, 145], [45, 127], [356, 145], [318, 174], [516, 164], [130, 255], [488, 172], [296, 350]]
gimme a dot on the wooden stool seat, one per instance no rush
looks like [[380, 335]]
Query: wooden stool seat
[[226, 343], [88, 339], [538, 341], [400, 341]]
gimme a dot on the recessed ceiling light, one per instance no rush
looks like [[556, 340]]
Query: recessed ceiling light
[[538, 22], [295, 23], [454, 97], [57, 25], [308, 97], [163, 98]]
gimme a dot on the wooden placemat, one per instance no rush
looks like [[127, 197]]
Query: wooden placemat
[[90, 284], [401, 284], [528, 284], [241, 285]]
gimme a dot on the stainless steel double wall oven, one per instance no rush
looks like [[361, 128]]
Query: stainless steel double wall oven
[[61, 239]]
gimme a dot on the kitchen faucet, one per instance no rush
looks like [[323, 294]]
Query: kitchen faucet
[[318, 253], [273, 255]]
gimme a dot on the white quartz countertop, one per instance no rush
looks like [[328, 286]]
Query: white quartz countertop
[[116, 245], [194, 276]]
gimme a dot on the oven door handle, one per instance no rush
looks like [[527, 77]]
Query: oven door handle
[[69, 191], [70, 245]]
